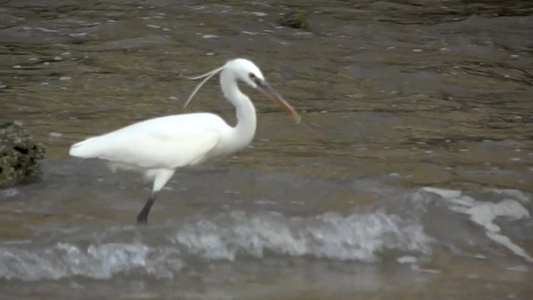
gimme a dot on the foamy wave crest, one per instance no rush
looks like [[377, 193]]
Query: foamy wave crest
[[329, 236], [485, 213], [99, 262], [163, 251]]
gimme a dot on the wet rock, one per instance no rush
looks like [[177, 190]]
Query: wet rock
[[294, 19], [19, 154]]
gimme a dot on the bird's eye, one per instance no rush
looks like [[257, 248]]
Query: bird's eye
[[252, 76]]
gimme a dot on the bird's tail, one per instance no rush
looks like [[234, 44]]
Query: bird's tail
[[90, 148]]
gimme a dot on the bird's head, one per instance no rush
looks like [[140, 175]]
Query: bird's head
[[245, 70]]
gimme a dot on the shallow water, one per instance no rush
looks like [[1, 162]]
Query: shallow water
[[409, 176]]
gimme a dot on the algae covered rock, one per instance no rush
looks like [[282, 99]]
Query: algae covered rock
[[19, 153], [294, 19]]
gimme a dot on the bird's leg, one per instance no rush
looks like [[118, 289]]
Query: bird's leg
[[142, 218], [161, 177]]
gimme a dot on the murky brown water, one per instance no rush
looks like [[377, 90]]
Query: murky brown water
[[394, 96]]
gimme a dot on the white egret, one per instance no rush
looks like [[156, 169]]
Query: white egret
[[157, 147]]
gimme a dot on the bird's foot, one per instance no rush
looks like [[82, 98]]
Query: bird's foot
[[142, 219]]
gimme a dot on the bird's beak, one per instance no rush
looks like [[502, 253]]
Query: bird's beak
[[266, 89]]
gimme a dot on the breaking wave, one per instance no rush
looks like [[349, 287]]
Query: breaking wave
[[357, 237], [398, 228]]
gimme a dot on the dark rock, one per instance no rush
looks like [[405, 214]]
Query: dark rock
[[19, 154], [294, 19]]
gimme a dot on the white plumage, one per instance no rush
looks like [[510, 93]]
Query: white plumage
[[145, 146], [157, 147]]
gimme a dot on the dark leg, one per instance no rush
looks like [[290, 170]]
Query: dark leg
[[142, 218]]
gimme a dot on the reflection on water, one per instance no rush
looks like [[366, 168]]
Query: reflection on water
[[395, 96]]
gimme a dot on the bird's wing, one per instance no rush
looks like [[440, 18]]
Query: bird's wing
[[166, 142]]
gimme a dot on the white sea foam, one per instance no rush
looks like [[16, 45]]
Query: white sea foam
[[485, 213], [357, 237], [366, 234], [226, 236]]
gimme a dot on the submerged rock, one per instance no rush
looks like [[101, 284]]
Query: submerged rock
[[294, 19], [19, 154]]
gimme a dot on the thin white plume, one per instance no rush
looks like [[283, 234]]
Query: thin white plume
[[207, 76]]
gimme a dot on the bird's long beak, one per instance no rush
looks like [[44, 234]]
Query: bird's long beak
[[266, 89]]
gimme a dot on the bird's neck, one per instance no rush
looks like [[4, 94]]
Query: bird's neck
[[244, 131]]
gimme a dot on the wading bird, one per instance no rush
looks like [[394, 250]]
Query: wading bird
[[157, 147]]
